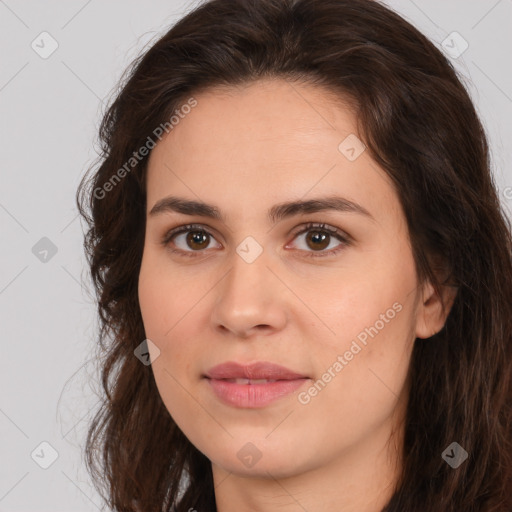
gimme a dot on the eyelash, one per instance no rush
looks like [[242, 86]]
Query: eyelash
[[339, 235]]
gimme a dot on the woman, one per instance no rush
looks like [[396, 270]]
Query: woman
[[304, 273]]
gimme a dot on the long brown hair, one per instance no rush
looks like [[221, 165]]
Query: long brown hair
[[419, 124]]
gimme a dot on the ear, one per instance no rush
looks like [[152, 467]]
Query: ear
[[431, 316]]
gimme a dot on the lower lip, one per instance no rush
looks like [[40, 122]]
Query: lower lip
[[252, 396]]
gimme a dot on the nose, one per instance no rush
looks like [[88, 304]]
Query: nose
[[250, 299]]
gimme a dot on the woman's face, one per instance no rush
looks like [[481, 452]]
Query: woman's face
[[249, 287]]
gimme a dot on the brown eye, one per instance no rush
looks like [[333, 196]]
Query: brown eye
[[319, 237], [189, 240], [317, 240], [197, 239]]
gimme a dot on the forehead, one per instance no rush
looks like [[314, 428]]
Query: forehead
[[267, 112], [269, 139]]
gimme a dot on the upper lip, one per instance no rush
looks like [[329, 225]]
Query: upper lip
[[258, 370]]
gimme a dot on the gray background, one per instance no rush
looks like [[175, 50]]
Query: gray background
[[50, 110]]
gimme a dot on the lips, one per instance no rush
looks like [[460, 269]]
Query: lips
[[246, 374], [252, 386]]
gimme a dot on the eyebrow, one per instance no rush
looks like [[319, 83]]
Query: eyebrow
[[275, 213]]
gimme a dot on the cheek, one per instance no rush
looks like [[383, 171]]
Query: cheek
[[370, 317], [375, 360], [165, 321], [161, 304], [356, 311], [168, 352], [368, 380]]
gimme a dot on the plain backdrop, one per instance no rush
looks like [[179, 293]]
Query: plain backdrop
[[50, 109]]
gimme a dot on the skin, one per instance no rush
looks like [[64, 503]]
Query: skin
[[244, 150]]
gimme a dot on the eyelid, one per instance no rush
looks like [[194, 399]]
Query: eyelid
[[321, 226]]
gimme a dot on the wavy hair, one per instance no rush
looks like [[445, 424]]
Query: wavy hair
[[420, 125]]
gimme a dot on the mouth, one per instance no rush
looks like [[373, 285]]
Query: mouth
[[252, 386]]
